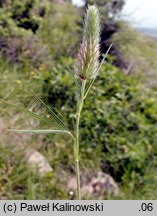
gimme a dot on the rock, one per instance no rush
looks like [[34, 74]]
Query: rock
[[101, 185], [94, 185], [37, 160]]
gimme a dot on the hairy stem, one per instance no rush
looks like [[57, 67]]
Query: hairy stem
[[80, 103]]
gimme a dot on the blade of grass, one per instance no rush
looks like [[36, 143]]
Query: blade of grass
[[37, 116], [104, 58], [55, 116], [40, 131]]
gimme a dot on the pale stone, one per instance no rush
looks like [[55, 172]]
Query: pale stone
[[94, 185], [37, 160]]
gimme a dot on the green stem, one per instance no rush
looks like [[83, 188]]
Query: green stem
[[78, 179], [80, 103]]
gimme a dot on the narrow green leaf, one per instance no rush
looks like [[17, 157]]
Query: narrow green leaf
[[104, 58], [50, 110], [40, 131], [89, 87], [30, 113]]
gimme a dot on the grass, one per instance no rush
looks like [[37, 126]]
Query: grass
[[114, 100], [87, 67], [18, 181]]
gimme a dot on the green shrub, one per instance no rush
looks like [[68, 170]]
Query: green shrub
[[60, 30], [123, 134]]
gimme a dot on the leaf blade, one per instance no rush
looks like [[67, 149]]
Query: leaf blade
[[56, 117], [39, 131], [33, 114]]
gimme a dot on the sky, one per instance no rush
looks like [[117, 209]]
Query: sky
[[78, 2], [142, 13]]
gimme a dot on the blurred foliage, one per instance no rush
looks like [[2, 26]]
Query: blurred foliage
[[121, 120], [23, 14], [60, 29], [140, 53], [118, 126], [17, 181], [110, 9]]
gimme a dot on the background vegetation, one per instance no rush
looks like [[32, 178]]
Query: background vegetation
[[38, 43]]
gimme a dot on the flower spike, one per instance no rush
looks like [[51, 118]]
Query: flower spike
[[87, 61]]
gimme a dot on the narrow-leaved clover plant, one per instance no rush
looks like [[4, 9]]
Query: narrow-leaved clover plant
[[85, 72]]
